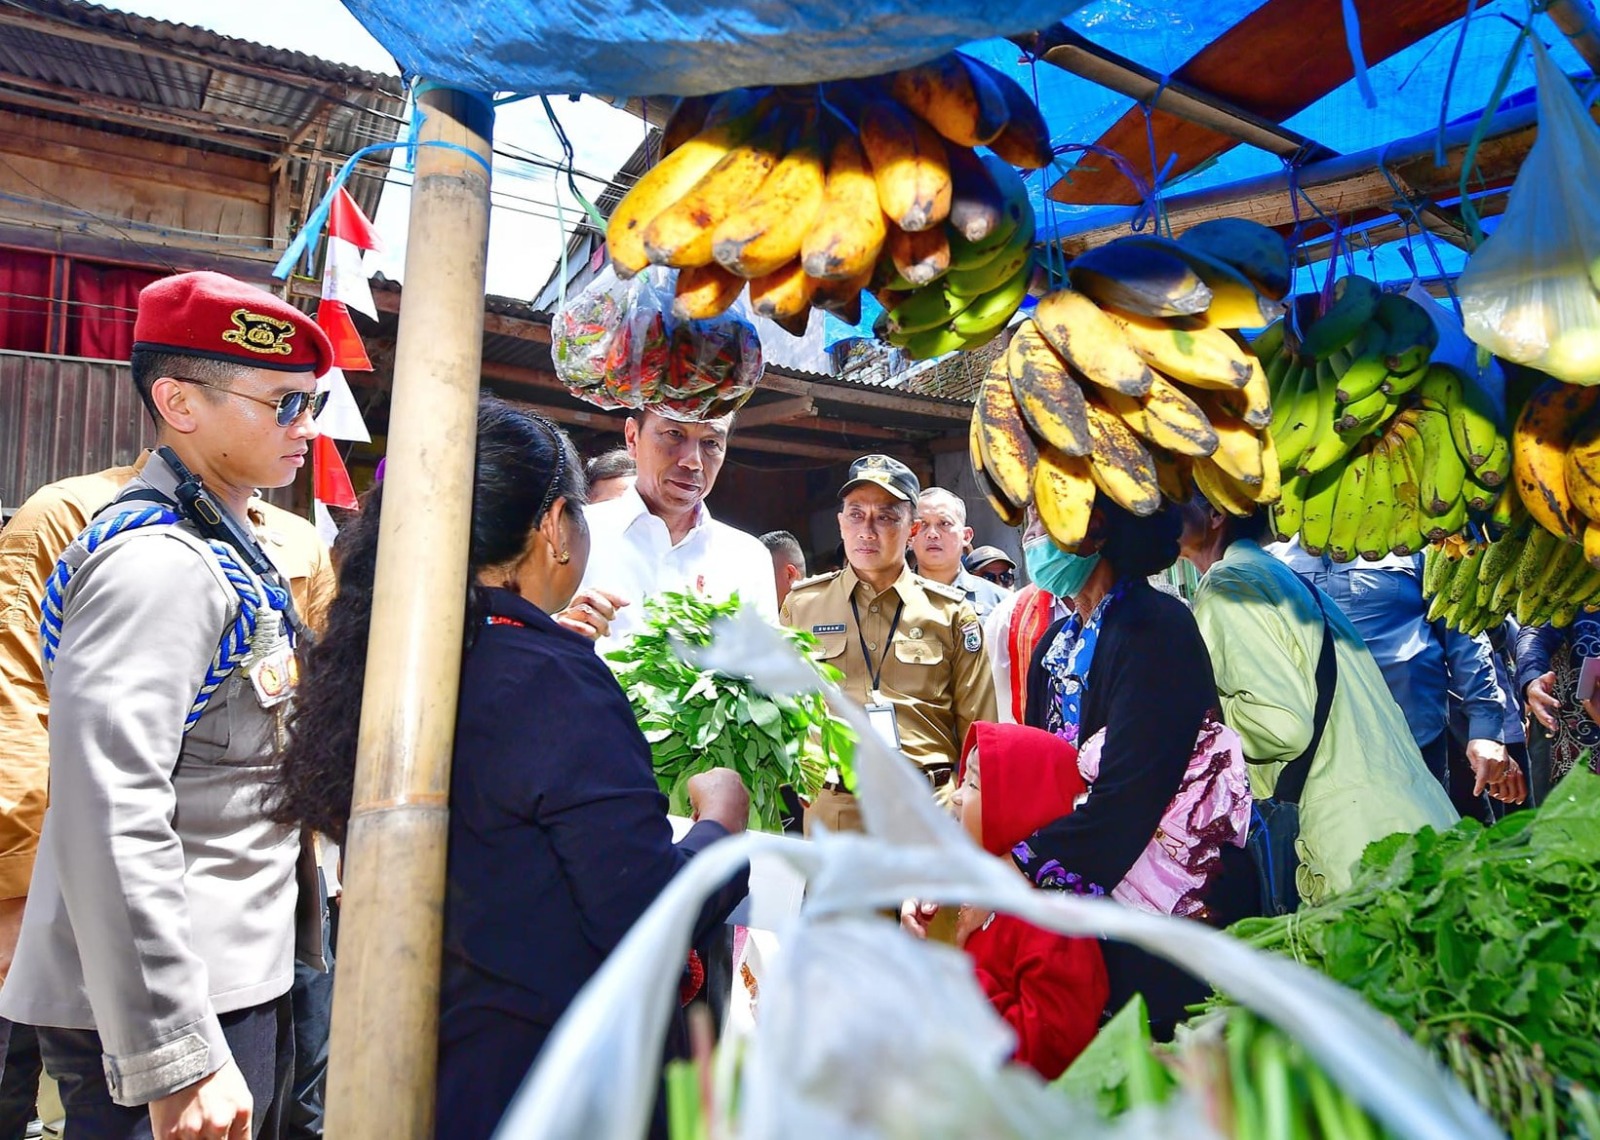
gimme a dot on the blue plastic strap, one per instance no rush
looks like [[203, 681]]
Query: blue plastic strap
[[305, 242], [1358, 58]]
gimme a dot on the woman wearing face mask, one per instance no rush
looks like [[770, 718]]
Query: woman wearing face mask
[[559, 837], [1126, 678]]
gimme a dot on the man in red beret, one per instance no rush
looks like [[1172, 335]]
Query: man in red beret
[[157, 944]]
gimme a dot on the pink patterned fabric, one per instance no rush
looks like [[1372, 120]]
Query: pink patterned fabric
[[1212, 807]]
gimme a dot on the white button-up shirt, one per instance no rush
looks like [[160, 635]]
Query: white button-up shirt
[[632, 555]]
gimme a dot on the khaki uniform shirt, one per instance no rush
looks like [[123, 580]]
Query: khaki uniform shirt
[[30, 545], [935, 671], [161, 896]]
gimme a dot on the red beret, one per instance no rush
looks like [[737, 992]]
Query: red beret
[[217, 317]]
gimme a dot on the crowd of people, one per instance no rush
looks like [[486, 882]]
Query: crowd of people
[[181, 673]]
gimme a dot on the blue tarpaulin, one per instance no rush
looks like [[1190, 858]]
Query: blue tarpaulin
[[677, 47]]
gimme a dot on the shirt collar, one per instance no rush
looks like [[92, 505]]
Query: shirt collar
[[153, 470], [503, 603], [905, 585], [636, 508]]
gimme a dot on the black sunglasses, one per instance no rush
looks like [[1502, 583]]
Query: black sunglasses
[[290, 406], [1000, 577]]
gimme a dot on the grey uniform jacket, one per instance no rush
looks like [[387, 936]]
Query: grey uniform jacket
[[162, 896]]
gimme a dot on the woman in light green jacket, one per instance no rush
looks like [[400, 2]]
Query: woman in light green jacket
[[1263, 627]]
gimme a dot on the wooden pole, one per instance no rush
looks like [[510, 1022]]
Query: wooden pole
[[1577, 21], [386, 992]]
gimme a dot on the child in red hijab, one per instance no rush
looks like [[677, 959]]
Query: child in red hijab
[[1051, 989]]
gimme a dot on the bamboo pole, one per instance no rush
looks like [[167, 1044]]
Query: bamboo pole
[[386, 994]]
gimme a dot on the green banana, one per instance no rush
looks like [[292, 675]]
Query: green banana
[[996, 271], [1405, 528], [1372, 536], [1479, 498], [1443, 470], [929, 343], [1365, 412], [1400, 383], [1541, 547], [1474, 424], [1289, 511], [994, 309], [1321, 495], [1438, 527], [1350, 507], [1496, 467], [1355, 304], [924, 309], [1362, 378], [1411, 336], [1502, 596], [1466, 574], [1299, 409], [1437, 566], [1327, 445], [1500, 557], [1269, 342]]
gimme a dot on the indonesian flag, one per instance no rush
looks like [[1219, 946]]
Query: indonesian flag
[[344, 282], [330, 482]]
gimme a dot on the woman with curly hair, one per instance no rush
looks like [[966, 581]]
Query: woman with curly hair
[[558, 836]]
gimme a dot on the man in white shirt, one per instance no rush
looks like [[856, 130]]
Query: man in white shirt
[[658, 535]]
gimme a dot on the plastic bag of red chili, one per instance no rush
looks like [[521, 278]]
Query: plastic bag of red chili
[[615, 345]]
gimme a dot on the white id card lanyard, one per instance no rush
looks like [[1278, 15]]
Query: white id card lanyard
[[880, 713]]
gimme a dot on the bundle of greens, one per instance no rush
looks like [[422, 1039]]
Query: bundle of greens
[[1249, 1079], [1482, 944], [696, 720]]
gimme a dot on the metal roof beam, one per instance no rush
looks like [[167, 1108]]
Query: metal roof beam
[[1072, 52]]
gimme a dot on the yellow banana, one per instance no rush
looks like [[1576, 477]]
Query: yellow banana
[[909, 165], [849, 231], [1539, 446], [962, 103], [1167, 418], [1583, 470], [664, 183], [1239, 448], [1202, 358], [1009, 513], [765, 233], [704, 292], [783, 295], [1009, 453], [1120, 465], [1252, 403], [1063, 494], [1223, 491], [1174, 473], [842, 295], [1091, 342], [1235, 302], [1049, 395], [921, 256], [1140, 280], [1271, 488], [681, 235]]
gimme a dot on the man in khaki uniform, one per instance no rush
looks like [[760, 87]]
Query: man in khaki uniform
[[911, 650]]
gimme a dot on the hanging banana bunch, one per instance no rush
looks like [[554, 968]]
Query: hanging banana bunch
[[1134, 385], [807, 196]]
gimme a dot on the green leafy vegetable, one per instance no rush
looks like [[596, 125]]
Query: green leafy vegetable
[[1482, 943], [696, 720]]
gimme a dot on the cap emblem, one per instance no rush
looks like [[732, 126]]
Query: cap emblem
[[259, 333]]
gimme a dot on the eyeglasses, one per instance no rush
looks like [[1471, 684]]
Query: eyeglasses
[[999, 577], [290, 406]]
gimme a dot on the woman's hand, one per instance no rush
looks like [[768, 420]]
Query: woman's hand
[[915, 917], [1541, 700], [720, 796], [590, 613]]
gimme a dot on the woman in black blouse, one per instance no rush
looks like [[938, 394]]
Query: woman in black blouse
[[559, 838], [1127, 678]]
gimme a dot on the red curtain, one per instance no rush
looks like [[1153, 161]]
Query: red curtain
[[24, 301], [102, 301]]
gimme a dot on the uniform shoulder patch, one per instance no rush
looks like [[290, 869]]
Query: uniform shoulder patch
[[971, 636], [815, 579], [940, 590]]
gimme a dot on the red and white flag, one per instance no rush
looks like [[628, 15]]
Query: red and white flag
[[345, 288]]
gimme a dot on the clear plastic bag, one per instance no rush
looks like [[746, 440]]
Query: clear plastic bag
[[1458, 351], [616, 345], [1529, 293], [867, 1034]]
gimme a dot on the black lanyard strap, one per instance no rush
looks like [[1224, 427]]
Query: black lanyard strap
[[875, 673]]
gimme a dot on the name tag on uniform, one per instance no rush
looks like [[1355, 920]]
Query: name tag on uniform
[[828, 628], [880, 715]]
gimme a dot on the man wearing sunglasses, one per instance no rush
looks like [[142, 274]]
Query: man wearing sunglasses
[[157, 948], [994, 564]]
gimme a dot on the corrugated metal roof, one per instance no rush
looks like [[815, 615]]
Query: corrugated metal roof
[[191, 86]]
